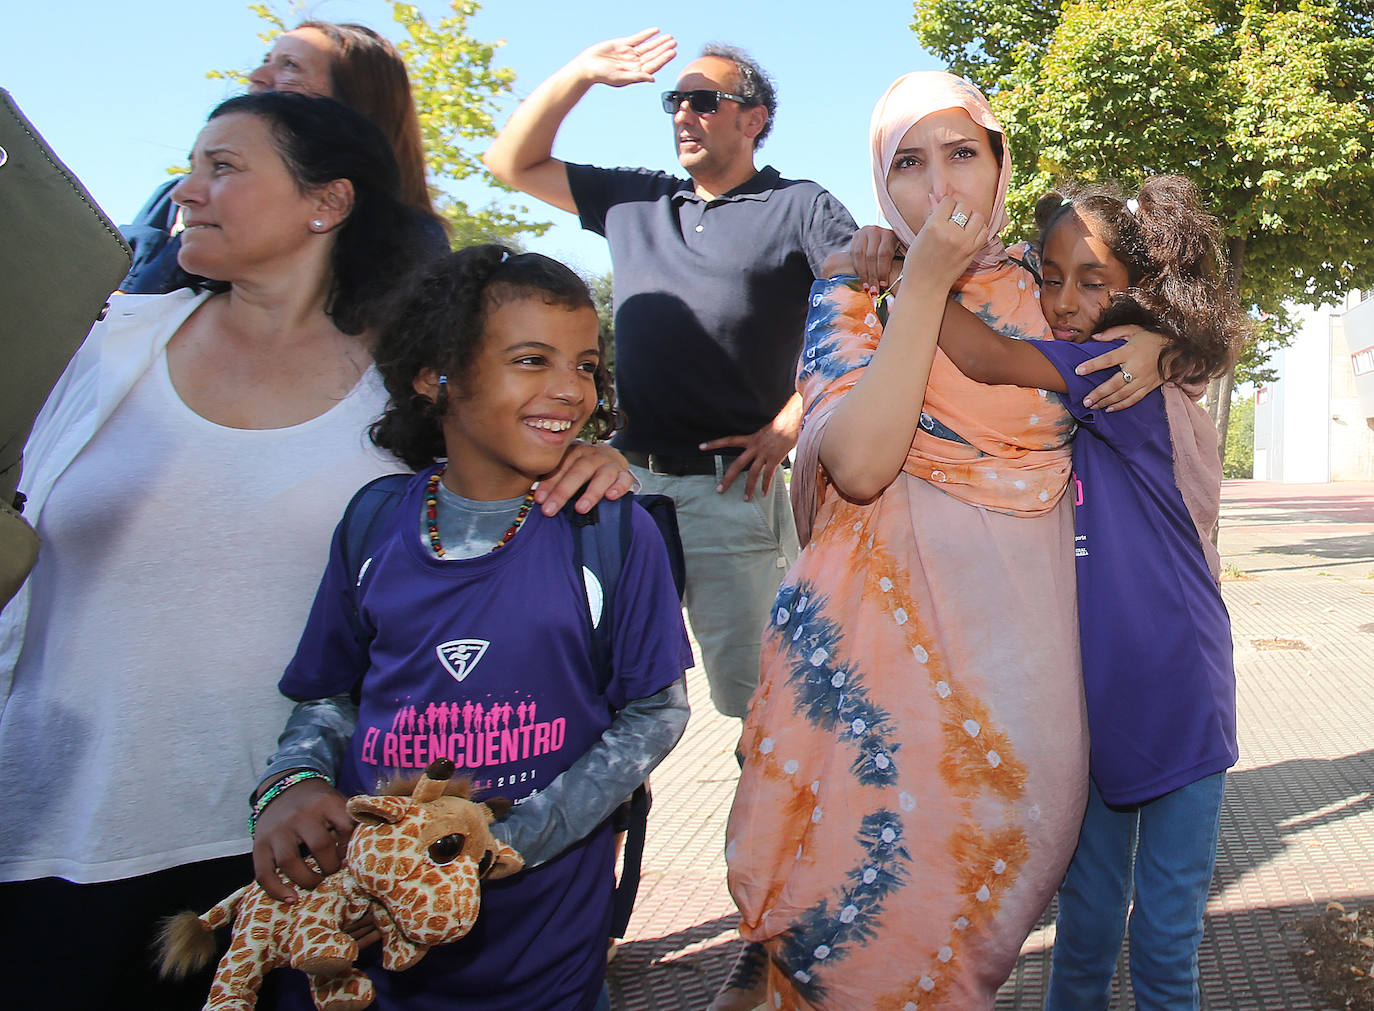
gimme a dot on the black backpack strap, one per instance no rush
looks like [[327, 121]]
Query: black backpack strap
[[636, 821], [600, 548], [601, 540], [664, 514], [361, 529]]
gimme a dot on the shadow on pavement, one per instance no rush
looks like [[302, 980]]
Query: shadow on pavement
[[1267, 806], [1246, 960], [1246, 957], [1246, 963], [681, 969], [1356, 548]]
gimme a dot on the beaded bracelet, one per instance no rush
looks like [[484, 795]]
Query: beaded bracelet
[[276, 789]]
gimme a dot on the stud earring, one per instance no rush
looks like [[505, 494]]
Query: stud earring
[[317, 225]]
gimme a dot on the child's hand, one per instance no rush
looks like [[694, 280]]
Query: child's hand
[[946, 243], [311, 813], [364, 931], [872, 252], [1137, 361], [597, 465]]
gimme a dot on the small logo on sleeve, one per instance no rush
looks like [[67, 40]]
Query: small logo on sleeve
[[461, 656]]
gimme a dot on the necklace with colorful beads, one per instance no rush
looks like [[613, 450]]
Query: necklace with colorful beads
[[432, 515]]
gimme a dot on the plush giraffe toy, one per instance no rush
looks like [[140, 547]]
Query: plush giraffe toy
[[414, 862]]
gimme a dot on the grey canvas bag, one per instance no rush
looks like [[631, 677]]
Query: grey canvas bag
[[60, 257]]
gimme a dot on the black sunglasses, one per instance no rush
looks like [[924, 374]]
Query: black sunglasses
[[700, 99]]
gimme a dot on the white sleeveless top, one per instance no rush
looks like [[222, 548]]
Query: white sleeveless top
[[179, 561]]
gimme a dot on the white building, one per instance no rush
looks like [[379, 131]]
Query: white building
[[1316, 422]]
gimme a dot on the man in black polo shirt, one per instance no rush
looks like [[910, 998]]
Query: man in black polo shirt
[[711, 281]]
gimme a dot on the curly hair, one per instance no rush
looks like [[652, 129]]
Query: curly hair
[[755, 86], [1171, 249], [321, 140], [440, 325]]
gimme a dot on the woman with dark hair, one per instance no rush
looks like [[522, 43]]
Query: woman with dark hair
[[346, 62], [320, 143], [1161, 707], [185, 475]]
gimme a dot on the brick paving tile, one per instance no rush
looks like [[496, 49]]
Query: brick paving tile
[[1297, 826]]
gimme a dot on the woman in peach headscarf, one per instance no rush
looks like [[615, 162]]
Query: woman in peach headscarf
[[915, 759]]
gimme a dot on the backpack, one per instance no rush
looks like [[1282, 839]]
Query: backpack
[[601, 538]]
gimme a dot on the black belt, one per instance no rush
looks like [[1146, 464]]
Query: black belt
[[665, 465]]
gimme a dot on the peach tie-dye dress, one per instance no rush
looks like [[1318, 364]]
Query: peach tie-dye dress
[[915, 757]]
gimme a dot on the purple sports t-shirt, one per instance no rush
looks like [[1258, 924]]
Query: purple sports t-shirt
[[1157, 663], [487, 661]]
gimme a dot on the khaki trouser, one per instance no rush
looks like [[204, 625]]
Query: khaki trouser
[[737, 553]]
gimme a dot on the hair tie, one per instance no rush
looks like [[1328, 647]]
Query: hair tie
[[443, 380], [1133, 205], [505, 255]]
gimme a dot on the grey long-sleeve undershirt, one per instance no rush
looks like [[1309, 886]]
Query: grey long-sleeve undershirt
[[315, 737], [546, 823]]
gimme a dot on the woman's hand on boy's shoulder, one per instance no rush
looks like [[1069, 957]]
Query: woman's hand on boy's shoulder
[[598, 465], [1137, 365], [311, 813]]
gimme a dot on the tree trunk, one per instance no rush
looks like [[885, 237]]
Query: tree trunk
[[1220, 406], [1224, 385], [1219, 389], [1213, 399]]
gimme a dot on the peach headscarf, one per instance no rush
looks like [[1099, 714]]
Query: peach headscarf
[[911, 98]]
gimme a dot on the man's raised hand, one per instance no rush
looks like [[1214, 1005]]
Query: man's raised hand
[[633, 59]]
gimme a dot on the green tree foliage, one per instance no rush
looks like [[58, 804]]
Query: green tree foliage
[[985, 40], [457, 87], [602, 294], [1267, 104], [1239, 460]]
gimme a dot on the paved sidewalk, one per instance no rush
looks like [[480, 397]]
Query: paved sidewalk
[[1297, 827]]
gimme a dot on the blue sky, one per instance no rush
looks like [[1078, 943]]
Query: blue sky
[[119, 89]]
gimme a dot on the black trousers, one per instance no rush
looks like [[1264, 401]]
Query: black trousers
[[71, 947]]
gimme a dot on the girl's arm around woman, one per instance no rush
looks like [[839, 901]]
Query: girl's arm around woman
[[870, 430]]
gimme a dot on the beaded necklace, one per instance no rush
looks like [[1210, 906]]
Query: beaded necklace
[[432, 514]]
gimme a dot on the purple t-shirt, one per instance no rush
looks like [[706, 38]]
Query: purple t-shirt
[[1157, 663], [487, 661]]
